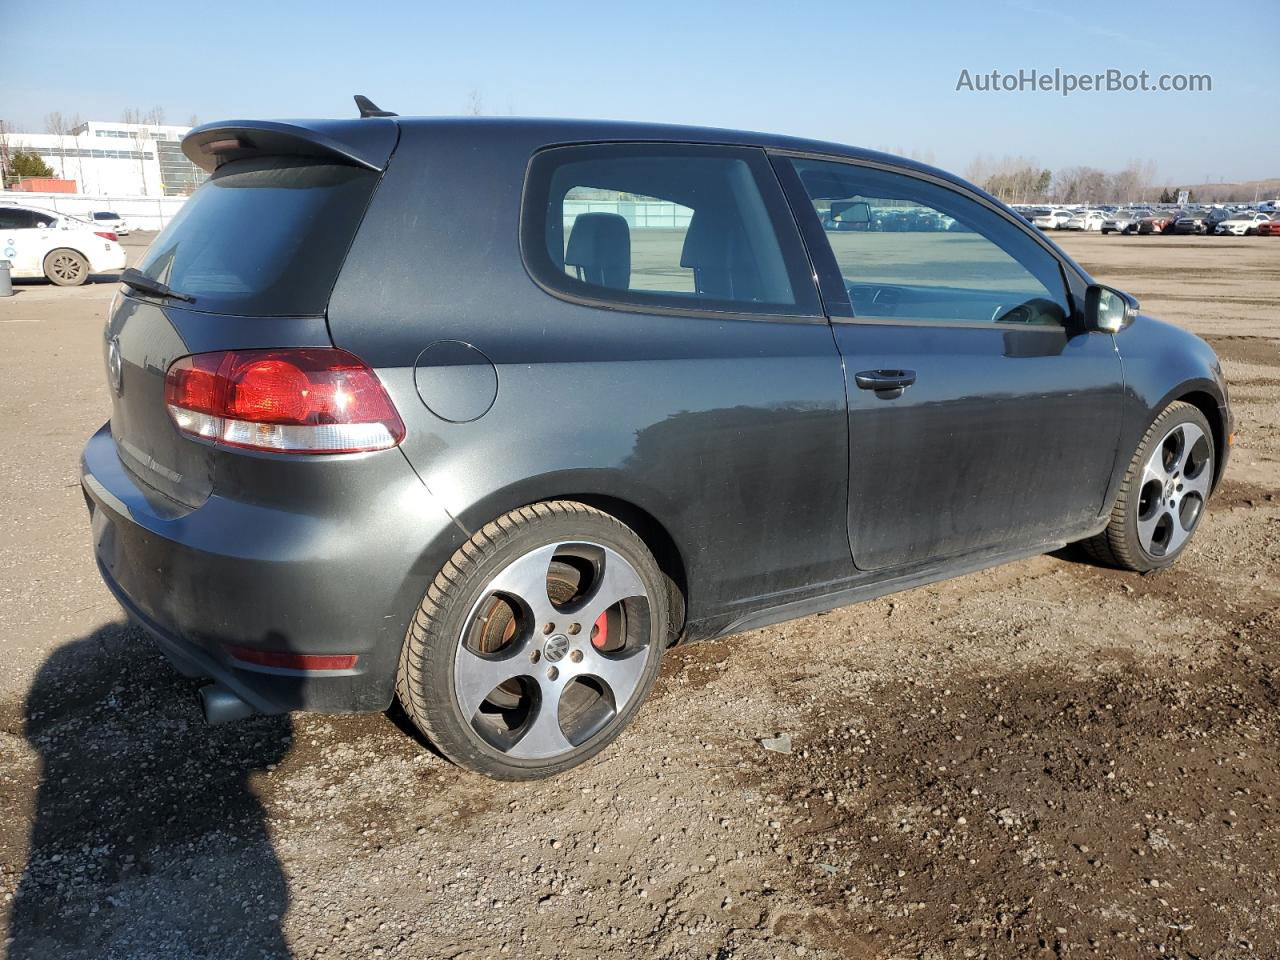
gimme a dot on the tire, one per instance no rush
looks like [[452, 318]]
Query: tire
[[1163, 496], [66, 267], [483, 626]]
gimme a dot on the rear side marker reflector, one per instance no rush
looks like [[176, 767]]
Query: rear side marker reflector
[[312, 400], [293, 661]]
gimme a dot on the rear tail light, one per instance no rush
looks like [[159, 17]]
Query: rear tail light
[[105, 235], [313, 400]]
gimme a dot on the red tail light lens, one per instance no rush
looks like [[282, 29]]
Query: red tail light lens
[[294, 661], [105, 235], [315, 400]]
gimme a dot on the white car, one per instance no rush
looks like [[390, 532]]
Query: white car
[[1087, 220], [1123, 221], [1053, 220], [1240, 224], [108, 220], [42, 243]]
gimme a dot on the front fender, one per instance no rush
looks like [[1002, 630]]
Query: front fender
[[1163, 363]]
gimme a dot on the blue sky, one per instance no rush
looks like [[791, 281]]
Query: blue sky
[[874, 74]]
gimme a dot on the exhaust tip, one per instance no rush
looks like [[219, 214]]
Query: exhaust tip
[[220, 705]]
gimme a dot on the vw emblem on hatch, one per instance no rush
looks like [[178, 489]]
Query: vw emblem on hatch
[[115, 366], [556, 647]]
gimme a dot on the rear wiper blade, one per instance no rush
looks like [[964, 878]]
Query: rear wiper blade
[[140, 281]]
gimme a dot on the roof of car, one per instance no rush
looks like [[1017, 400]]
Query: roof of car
[[356, 134], [28, 206]]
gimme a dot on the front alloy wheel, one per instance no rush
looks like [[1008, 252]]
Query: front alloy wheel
[[1175, 484], [1163, 497]]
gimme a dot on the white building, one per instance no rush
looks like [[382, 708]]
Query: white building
[[117, 159]]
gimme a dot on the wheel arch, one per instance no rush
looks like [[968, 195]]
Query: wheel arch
[[65, 246], [640, 509], [1207, 403]]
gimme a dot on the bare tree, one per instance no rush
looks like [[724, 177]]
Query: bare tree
[[4, 154], [1012, 179], [1080, 185], [55, 124], [475, 102], [135, 119], [75, 128]]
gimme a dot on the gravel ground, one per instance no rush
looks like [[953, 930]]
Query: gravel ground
[[1042, 760]]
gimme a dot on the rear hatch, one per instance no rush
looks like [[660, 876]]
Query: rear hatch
[[257, 248]]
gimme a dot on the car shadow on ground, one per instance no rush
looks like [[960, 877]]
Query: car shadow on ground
[[147, 839]]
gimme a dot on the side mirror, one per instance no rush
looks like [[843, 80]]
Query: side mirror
[[1108, 310]]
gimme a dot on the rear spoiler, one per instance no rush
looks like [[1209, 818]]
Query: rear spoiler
[[361, 143]]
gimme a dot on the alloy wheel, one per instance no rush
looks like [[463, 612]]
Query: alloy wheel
[[67, 267], [1174, 488], [553, 650]]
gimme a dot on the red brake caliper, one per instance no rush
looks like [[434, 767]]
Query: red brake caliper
[[600, 631]]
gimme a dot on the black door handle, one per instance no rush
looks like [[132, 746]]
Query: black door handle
[[884, 380]]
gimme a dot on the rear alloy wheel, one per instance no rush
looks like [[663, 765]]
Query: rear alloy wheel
[[537, 643], [1163, 496], [66, 268]]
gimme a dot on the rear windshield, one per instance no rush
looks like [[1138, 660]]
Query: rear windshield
[[103, 215], [263, 237]]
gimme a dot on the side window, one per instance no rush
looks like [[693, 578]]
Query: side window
[[664, 225], [911, 250], [16, 219]]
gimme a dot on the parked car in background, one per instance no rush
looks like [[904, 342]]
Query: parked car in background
[[1241, 224], [1268, 228], [1123, 221], [1159, 222], [111, 221], [1053, 219], [320, 490], [63, 249], [1086, 220], [1197, 222]]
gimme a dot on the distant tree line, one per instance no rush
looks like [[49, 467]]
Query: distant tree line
[[1023, 180]]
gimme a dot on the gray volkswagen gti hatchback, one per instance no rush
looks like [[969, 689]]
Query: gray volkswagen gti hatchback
[[483, 415]]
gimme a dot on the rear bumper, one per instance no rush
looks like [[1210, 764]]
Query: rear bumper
[[108, 261], [344, 580]]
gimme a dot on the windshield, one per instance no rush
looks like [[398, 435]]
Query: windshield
[[103, 215], [263, 237]]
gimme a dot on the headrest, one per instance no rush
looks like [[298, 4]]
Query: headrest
[[705, 244], [600, 246]]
